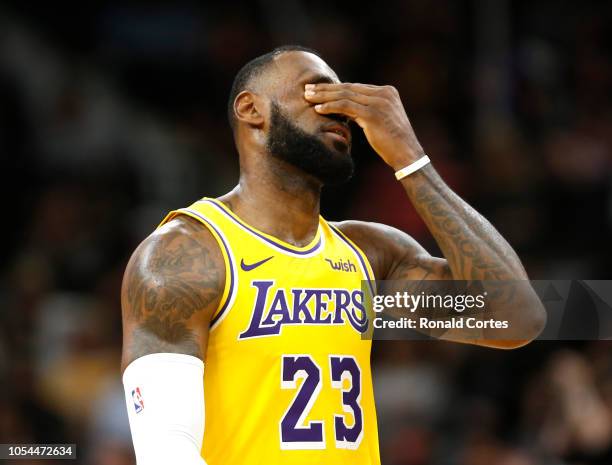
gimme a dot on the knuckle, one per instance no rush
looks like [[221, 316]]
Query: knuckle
[[390, 90], [386, 105]]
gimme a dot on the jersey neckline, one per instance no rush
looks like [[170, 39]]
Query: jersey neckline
[[307, 249]]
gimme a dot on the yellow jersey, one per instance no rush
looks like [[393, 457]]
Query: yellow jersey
[[287, 375]]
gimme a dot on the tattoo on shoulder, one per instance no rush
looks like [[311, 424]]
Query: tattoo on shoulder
[[174, 277]]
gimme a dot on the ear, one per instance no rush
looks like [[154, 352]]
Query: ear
[[248, 108]]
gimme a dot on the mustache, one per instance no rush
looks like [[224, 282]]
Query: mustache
[[338, 118]]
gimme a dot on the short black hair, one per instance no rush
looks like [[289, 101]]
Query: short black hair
[[252, 69]]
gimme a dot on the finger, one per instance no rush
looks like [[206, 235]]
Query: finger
[[365, 89], [321, 96], [345, 107]]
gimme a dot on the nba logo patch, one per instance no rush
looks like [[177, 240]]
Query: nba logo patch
[[137, 399]]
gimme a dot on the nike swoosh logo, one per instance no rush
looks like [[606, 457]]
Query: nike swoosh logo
[[252, 266]]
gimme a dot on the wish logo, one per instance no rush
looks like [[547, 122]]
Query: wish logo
[[342, 265], [303, 306]]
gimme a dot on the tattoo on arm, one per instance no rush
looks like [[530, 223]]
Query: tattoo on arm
[[473, 251], [473, 248], [171, 287]]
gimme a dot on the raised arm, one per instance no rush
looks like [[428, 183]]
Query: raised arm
[[472, 248], [172, 286]]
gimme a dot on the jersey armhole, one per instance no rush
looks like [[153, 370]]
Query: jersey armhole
[[230, 274], [363, 258]]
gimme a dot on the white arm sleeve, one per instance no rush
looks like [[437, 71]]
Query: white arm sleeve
[[164, 394]]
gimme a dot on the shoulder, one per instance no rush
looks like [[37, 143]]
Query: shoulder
[[362, 230], [180, 261], [181, 244], [181, 232], [394, 254], [172, 286], [383, 245]]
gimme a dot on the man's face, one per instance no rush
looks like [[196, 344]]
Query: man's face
[[319, 145]]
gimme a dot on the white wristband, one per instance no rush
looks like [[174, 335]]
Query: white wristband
[[412, 167]]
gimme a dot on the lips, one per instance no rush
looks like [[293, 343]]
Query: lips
[[340, 130]]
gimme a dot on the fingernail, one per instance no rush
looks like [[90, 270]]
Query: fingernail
[[318, 107], [309, 92], [309, 87]]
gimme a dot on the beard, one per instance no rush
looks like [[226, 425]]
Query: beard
[[287, 142]]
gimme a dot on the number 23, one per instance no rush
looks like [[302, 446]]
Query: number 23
[[294, 434]]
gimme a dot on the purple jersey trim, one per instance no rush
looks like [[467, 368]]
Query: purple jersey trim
[[270, 241], [359, 256], [231, 265]]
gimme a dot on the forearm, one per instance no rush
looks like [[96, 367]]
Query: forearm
[[471, 245], [474, 250]]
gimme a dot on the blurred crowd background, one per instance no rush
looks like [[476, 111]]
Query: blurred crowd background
[[112, 115]]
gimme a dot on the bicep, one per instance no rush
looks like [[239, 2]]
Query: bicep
[[395, 254], [171, 287]]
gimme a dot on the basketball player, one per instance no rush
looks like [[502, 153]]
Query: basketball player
[[249, 307]]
